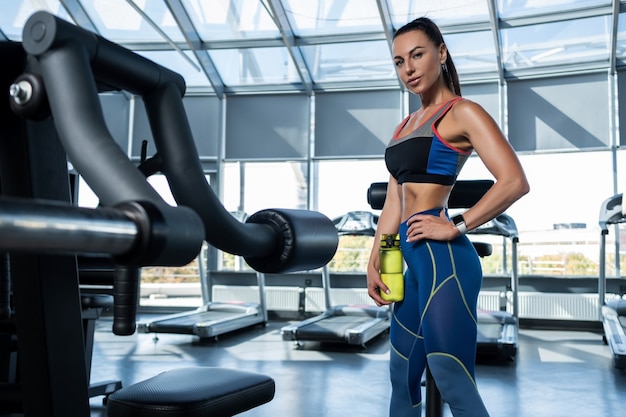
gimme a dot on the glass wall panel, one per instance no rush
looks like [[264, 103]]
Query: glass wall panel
[[472, 52], [316, 18], [119, 21], [352, 61], [620, 47], [573, 41], [560, 113], [267, 127], [355, 124], [449, 12], [254, 66], [231, 19], [343, 184], [253, 186], [558, 219], [524, 8], [621, 109]]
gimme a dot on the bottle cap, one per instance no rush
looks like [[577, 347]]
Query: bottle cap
[[390, 240]]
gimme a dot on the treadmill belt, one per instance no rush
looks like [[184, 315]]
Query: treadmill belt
[[185, 324], [497, 337], [331, 327], [489, 331]]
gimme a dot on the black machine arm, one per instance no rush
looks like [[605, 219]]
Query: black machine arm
[[73, 63], [132, 234]]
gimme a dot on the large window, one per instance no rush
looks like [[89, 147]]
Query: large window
[[253, 186], [558, 219], [342, 185]]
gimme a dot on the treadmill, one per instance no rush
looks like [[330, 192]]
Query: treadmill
[[343, 324], [612, 312], [498, 329], [212, 318]]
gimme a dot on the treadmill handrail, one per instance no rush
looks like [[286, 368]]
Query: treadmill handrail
[[611, 212], [362, 217], [502, 225]]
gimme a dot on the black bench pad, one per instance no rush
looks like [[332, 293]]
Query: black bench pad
[[193, 392]]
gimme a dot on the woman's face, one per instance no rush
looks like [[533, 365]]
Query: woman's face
[[417, 60]]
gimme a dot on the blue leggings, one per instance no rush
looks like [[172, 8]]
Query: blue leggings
[[436, 323]]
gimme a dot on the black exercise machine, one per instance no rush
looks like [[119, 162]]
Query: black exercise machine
[[54, 77], [612, 312], [498, 329]]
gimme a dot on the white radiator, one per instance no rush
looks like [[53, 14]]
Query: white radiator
[[490, 300], [553, 306], [277, 298], [338, 296], [288, 298], [559, 306], [282, 298]]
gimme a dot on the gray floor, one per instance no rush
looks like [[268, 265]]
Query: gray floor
[[556, 373]]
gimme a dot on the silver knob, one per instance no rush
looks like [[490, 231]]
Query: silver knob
[[21, 92]]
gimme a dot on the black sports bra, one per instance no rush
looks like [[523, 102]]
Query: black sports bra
[[423, 156]]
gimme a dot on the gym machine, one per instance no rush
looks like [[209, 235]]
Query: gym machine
[[54, 115], [612, 311]]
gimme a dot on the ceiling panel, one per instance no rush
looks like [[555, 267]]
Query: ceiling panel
[[254, 66], [349, 62], [523, 8], [320, 18], [548, 44], [219, 20], [229, 46], [448, 12], [136, 21]]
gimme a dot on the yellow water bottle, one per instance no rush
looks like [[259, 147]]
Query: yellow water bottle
[[391, 267]]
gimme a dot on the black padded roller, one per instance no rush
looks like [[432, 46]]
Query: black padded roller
[[467, 193], [464, 194], [376, 195], [307, 239]]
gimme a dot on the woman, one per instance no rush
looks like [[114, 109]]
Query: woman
[[436, 321]]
